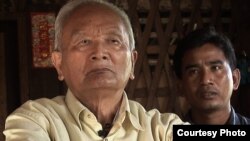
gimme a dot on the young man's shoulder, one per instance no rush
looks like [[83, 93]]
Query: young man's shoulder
[[242, 120]]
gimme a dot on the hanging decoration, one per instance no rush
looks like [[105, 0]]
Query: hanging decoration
[[42, 25]]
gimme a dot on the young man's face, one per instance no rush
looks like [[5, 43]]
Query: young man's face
[[207, 79]]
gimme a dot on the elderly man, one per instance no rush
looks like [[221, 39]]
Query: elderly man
[[95, 55]]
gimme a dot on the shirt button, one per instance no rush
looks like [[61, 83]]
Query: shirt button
[[89, 116], [105, 139]]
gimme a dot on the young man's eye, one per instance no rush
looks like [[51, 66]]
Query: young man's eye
[[193, 71], [215, 68]]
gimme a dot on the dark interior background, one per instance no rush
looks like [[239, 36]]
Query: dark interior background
[[157, 25]]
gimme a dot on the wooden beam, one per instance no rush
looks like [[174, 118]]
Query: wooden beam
[[3, 98]]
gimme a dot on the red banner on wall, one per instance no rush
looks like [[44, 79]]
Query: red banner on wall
[[43, 35]]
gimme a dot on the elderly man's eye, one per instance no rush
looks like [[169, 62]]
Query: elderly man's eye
[[85, 42], [114, 42]]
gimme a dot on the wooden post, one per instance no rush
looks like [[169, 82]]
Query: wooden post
[[3, 100]]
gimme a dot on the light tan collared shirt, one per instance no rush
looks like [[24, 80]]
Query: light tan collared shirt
[[64, 118]]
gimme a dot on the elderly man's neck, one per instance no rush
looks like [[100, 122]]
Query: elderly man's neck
[[104, 104]]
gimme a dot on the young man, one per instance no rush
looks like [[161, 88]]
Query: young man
[[205, 64], [95, 55]]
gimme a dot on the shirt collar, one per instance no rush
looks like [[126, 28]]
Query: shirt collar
[[76, 107], [233, 119], [125, 109]]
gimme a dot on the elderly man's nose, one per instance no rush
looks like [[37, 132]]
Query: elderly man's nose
[[97, 57], [99, 53]]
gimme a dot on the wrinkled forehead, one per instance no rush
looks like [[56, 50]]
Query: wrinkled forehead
[[95, 19], [93, 9], [91, 14]]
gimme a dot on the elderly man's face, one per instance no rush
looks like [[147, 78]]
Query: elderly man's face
[[95, 53]]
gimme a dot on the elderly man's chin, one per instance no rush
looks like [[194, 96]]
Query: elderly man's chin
[[102, 82], [105, 83]]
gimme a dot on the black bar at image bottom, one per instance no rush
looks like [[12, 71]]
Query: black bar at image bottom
[[211, 132]]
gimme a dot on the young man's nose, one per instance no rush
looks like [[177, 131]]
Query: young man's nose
[[206, 77]]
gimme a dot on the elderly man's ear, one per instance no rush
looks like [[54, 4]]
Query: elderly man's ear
[[56, 58], [133, 59]]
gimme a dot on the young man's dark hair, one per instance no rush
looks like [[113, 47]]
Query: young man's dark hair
[[199, 37]]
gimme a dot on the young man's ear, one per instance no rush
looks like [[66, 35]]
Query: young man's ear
[[236, 78], [134, 56], [56, 58]]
